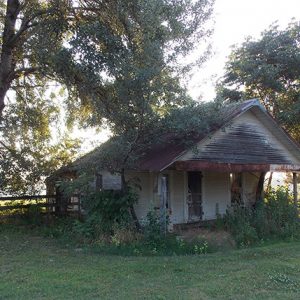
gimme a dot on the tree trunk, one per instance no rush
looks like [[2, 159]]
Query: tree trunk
[[260, 188], [131, 208], [7, 63]]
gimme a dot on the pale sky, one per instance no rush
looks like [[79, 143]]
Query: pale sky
[[235, 20]]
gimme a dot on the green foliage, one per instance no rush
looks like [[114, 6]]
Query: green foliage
[[119, 61], [179, 125], [104, 210], [119, 237], [276, 217], [130, 53], [29, 150], [154, 241], [267, 69], [152, 229], [239, 223], [127, 72], [60, 228]]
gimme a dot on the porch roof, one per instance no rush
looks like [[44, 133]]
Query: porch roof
[[194, 165]]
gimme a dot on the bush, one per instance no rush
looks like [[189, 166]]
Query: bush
[[152, 230], [104, 210], [33, 215], [239, 221], [275, 217]]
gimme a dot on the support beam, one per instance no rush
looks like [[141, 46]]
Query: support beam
[[295, 190], [198, 165]]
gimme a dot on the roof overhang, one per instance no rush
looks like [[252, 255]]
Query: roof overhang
[[195, 165]]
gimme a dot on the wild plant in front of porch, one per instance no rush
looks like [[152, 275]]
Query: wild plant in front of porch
[[275, 217]]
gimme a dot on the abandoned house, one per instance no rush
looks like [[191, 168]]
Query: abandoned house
[[220, 169]]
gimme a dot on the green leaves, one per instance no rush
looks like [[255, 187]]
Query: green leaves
[[268, 69], [118, 61]]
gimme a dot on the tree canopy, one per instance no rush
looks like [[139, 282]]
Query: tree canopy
[[268, 69], [120, 63]]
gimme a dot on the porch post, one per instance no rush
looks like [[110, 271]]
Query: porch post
[[163, 201], [295, 191]]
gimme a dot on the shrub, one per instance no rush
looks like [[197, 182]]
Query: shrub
[[104, 210], [239, 222], [281, 213], [275, 217], [152, 229], [157, 242]]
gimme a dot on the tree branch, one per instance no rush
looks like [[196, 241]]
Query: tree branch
[[24, 71], [26, 25]]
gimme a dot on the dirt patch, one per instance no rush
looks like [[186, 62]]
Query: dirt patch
[[217, 238]]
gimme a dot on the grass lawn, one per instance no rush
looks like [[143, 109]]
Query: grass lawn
[[33, 267]]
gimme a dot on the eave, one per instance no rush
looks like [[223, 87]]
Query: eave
[[192, 165]]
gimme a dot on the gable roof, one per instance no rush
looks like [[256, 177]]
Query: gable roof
[[162, 155], [243, 139]]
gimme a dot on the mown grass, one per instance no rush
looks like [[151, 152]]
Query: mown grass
[[34, 267]]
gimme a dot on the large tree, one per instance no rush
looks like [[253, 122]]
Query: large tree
[[119, 61], [268, 69], [31, 30], [127, 71]]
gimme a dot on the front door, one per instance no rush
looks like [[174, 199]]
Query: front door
[[194, 199]]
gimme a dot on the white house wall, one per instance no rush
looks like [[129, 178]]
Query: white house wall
[[146, 196], [149, 194], [177, 196], [216, 194]]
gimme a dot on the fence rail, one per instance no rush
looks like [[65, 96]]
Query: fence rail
[[51, 204], [26, 197]]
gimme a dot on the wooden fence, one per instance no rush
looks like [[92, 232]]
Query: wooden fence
[[50, 204]]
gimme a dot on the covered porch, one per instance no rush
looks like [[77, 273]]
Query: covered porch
[[210, 188]]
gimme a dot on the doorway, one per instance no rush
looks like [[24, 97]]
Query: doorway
[[194, 198], [236, 181]]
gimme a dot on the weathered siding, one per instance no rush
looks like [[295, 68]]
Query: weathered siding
[[245, 140], [216, 194]]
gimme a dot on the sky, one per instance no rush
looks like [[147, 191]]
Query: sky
[[234, 21]]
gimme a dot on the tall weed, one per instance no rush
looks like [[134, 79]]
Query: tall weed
[[275, 217]]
